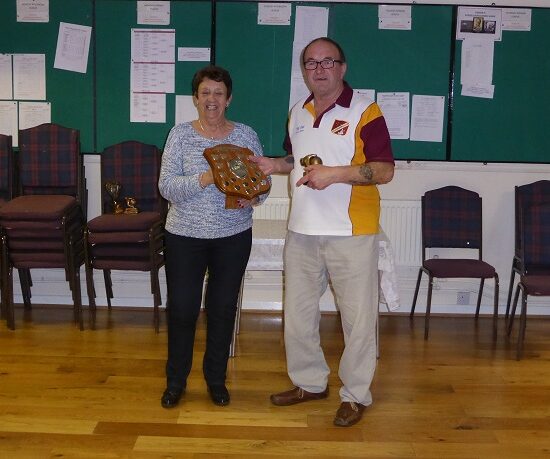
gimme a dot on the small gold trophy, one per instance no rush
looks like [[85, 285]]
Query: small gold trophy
[[113, 189], [131, 205]]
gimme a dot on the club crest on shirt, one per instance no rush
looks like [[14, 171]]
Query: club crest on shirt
[[340, 127]]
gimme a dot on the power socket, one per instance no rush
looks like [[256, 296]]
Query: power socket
[[463, 298]]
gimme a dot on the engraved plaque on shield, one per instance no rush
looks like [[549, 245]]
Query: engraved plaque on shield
[[234, 175]]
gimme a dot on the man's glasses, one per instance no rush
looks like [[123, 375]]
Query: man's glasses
[[325, 63]]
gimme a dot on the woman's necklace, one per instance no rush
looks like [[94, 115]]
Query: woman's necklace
[[204, 130]]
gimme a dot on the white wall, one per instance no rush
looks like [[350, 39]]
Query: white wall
[[263, 290]]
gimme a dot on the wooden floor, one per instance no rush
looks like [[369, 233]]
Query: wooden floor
[[95, 394]]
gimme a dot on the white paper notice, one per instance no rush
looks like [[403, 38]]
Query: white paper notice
[[153, 12], [185, 109], [427, 118], [6, 82], [370, 93], [476, 61], [483, 23], [395, 107], [152, 78], [311, 22], [8, 119], [397, 17], [485, 91], [194, 54], [518, 19], [154, 45], [73, 45], [274, 13], [32, 114], [147, 108], [29, 76], [33, 10]]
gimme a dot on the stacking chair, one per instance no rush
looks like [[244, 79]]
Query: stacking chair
[[6, 190], [43, 227], [452, 218], [128, 241], [533, 263], [525, 196]]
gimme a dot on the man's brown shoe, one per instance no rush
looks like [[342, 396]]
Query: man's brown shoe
[[348, 414], [296, 395]]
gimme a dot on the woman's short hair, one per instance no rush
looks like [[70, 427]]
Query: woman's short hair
[[214, 73]]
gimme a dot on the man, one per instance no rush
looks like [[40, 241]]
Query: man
[[332, 229]]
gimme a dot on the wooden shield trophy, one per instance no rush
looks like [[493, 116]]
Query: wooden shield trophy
[[234, 175]]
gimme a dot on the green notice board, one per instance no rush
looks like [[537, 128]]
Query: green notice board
[[259, 61], [377, 59], [515, 125], [70, 93], [115, 19]]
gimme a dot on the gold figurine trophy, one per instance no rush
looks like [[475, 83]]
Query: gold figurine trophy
[[113, 190]]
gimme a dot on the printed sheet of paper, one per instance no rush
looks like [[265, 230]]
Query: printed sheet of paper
[[427, 118], [310, 23], [147, 108], [154, 45], [185, 109], [476, 61], [6, 82], [32, 114], [395, 17], [8, 120], [274, 13], [194, 54], [152, 78], [485, 91], [395, 107], [153, 12], [33, 10], [73, 46], [370, 93], [517, 19], [29, 76], [479, 22]]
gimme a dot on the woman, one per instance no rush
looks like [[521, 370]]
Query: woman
[[203, 236]]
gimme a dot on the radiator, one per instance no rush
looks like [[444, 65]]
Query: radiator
[[400, 219]]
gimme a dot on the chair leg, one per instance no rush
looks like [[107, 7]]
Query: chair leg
[[237, 324], [77, 295], [428, 308], [108, 286], [513, 312], [495, 309], [10, 313], [522, 324], [510, 289], [155, 290], [90, 290], [24, 280], [479, 294], [416, 292]]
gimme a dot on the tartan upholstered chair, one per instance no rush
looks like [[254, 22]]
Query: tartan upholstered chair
[[525, 196], [6, 190], [43, 227], [452, 218], [6, 168], [533, 263], [128, 241]]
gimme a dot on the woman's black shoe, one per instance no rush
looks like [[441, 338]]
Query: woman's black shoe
[[219, 394], [171, 398]]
